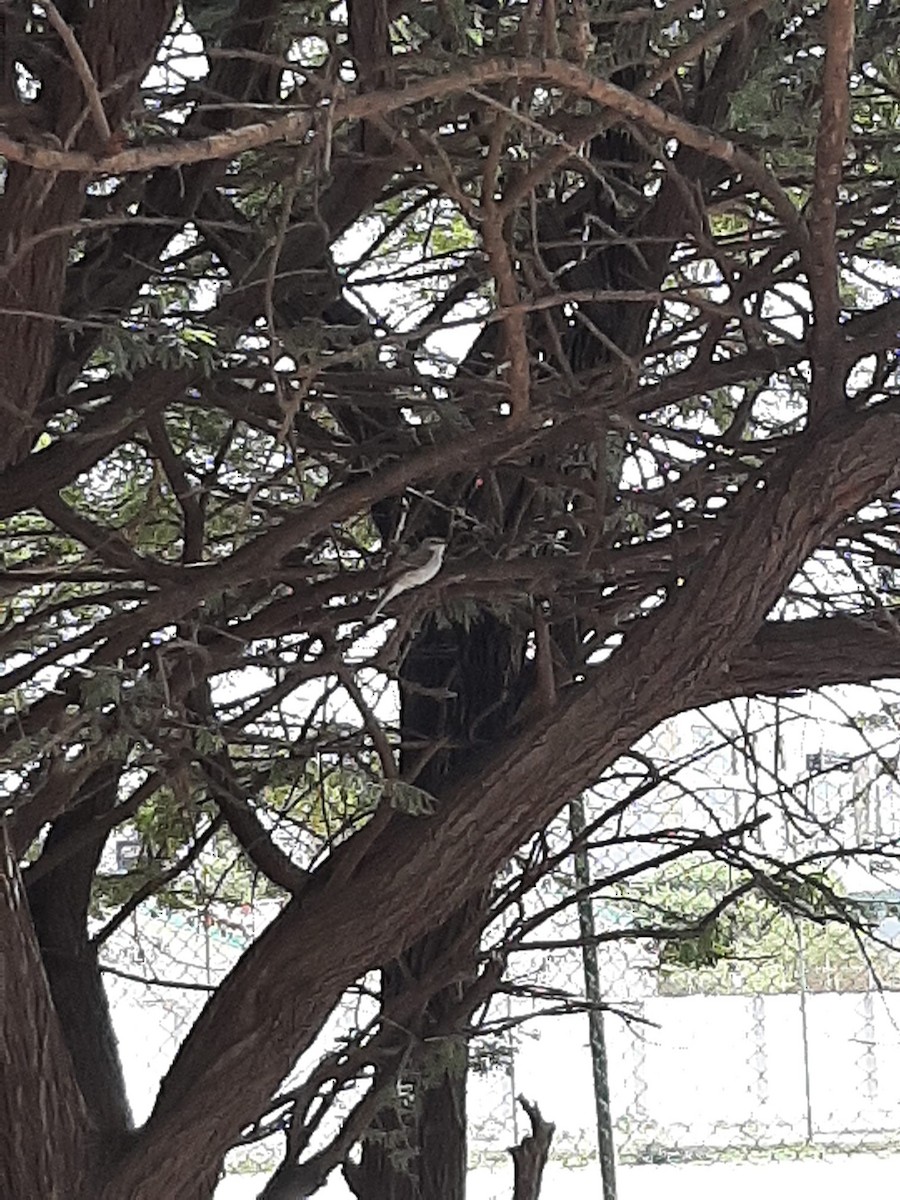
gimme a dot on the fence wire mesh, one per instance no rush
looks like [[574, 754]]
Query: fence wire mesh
[[750, 984], [700, 957]]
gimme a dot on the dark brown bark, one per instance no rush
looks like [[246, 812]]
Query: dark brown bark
[[39, 1095], [792, 656], [633, 702], [460, 688], [35, 478], [482, 668], [59, 909], [531, 1154], [416, 1148], [422, 869], [115, 265], [412, 894], [118, 45]]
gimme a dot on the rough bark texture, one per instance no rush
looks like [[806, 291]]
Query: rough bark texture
[[531, 509], [460, 685], [39, 1089], [464, 686], [531, 1154], [59, 909], [119, 43], [406, 884]]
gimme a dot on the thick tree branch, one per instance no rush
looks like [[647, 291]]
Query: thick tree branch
[[34, 1054], [59, 905], [826, 336], [117, 47], [422, 869], [789, 656], [296, 126], [42, 474], [82, 70], [673, 503]]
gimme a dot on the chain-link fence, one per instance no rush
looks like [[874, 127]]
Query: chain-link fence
[[695, 1076], [761, 1015], [702, 964]]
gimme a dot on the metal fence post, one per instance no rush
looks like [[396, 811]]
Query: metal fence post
[[606, 1148], [804, 1029]]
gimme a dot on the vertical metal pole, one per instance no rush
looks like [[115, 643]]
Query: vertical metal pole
[[801, 981], [513, 1084], [606, 1147], [804, 1028]]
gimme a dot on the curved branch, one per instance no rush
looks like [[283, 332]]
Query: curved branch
[[789, 656], [295, 126], [34, 1054], [422, 869]]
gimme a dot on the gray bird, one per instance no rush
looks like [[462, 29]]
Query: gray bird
[[412, 570]]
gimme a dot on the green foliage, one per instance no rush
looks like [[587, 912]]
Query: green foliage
[[323, 797], [275, 360], [785, 932], [124, 352], [409, 799]]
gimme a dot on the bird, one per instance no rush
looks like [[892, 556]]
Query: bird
[[412, 570]]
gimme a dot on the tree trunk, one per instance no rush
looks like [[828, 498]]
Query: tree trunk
[[465, 684], [462, 685], [530, 1156]]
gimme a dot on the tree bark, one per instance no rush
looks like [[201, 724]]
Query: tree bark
[[531, 1154], [59, 907], [42, 1111], [421, 869], [414, 893], [423, 1157], [459, 686], [118, 43]]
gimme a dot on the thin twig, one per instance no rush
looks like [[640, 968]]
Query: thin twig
[[823, 269], [625, 105], [82, 70]]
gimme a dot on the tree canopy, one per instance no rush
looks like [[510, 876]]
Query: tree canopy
[[603, 296]]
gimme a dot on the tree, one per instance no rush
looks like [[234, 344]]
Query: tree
[[752, 945], [243, 244]]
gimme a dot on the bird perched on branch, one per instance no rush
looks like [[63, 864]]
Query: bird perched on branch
[[411, 570]]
